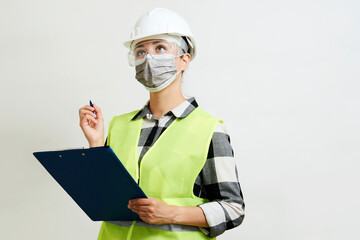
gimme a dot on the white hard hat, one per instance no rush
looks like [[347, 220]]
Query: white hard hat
[[162, 21]]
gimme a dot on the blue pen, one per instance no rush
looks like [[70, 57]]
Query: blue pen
[[91, 105]]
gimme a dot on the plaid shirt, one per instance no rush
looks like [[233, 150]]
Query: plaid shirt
[[218, 180]]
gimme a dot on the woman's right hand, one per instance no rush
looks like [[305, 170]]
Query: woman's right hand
[[93, 128]]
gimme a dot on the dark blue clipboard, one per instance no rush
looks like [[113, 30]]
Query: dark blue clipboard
[[96, 180]]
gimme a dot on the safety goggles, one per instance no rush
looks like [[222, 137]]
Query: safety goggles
[[152, 48]]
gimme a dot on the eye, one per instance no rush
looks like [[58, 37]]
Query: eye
[[140, 53], [160, 48]]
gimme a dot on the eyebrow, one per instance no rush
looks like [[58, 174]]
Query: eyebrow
[[154, 42]]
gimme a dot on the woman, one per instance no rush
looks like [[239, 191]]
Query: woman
[[179, 154]]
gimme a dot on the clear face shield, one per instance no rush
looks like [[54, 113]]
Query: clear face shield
[[153, 48]]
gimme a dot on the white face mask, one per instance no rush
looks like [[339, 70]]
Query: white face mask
[[156, 72]]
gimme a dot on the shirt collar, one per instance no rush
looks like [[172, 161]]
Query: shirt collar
[[180, 111]]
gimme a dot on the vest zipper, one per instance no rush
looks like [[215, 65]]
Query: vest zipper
[[138, 172]]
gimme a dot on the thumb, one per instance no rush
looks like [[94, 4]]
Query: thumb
[[98, 112]]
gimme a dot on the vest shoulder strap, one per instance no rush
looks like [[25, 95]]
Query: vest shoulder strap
[[126, 117], [118, 121]]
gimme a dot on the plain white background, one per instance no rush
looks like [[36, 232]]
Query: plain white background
[[283, 75]]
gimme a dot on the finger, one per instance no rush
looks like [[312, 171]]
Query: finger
[[147, 218], [86, 119], [140, 212], [98, 111], [141, 201], [90, 118], [137, 207], [84, 112], [97, 108], [145, 211], [87, 107]]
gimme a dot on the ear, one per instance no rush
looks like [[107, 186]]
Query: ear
[[185, 60]]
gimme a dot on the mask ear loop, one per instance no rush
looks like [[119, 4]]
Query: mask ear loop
[[181, 53]]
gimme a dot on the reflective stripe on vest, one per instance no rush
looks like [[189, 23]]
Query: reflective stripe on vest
[[167, 171], [167, 227]]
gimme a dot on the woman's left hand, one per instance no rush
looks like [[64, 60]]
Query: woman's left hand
[[152, 210]]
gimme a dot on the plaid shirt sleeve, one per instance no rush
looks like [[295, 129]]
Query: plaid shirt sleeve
[[218, 182]]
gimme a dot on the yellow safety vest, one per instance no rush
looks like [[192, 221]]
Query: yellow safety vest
[[167, 171]]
